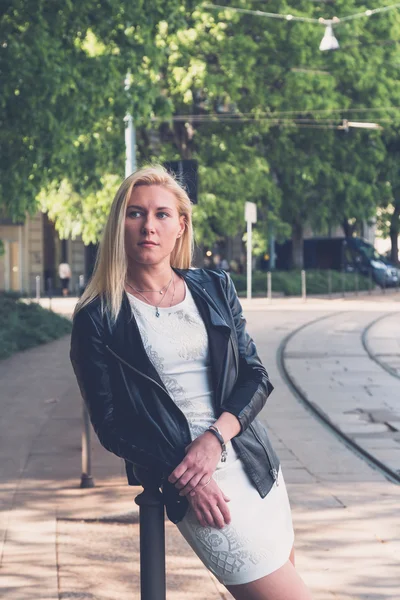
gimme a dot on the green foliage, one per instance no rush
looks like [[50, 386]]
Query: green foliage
[[25, 325], [63, 104]]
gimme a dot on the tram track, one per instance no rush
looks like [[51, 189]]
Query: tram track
[[320, 414]]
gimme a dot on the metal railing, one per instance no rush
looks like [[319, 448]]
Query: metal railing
[[322, 284]]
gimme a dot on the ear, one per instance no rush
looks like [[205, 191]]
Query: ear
[[182, 225]]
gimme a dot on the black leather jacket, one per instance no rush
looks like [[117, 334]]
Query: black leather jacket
[[130, 409]]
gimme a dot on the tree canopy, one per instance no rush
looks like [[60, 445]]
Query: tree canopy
[[252, 99]]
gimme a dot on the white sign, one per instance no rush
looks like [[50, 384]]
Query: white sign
[[250, 212]]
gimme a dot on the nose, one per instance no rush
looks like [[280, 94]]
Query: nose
[[148, 225]]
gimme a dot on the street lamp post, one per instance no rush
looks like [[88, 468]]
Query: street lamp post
[[130, 136]]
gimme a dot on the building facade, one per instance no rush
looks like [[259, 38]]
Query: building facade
[[32, 252]]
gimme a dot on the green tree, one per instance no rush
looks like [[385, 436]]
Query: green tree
[[62, 102]]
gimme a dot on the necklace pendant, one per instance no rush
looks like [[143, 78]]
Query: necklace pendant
[[157, 312], [161, 292]]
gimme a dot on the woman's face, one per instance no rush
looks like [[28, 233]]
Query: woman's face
[[152, 216]]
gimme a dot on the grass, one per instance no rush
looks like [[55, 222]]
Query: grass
[[288, 283], [25, 325]]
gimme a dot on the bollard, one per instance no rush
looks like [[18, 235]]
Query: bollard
[[303, 286], [343, 284], [356, 283], [50, 290], [269, 286], [152, 545], [86, 478], [37, 287], [370, 282], [329, 283]]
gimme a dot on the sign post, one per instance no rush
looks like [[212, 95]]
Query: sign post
[[250, 215]]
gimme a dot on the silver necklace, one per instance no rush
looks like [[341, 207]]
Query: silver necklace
[[157, 311]]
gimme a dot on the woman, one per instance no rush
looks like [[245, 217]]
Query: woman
[[173, 385]]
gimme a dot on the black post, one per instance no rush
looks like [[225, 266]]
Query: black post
[[329, 283], [86, 477], [50, 290], [152, 545]]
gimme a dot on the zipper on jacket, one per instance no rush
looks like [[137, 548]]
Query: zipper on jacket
[[235, 352], [155, 383], [273, 471]]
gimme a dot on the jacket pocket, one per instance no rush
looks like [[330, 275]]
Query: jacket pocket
[[272, 469]]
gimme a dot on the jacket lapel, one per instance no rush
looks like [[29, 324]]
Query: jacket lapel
[[218, 330]]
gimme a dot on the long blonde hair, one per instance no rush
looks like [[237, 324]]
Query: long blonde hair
[[107, 281]]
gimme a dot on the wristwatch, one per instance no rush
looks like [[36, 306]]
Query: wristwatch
[[214, 430]]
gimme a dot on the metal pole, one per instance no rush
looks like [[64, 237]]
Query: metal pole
[[37, 287], [269, 286], [370, 282], [249, 265], [130, 146], [343, 284], [152, 545], [330, 283], [81, 284], [356, 283], [303, 285], [272, 255], [86, 478], [130, 136]]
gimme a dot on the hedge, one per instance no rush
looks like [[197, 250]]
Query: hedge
[[25, 325]]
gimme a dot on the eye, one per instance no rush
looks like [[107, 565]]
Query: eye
[[163, 213], [133, 213]]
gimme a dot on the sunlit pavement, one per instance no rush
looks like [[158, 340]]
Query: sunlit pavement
[[59, 541]]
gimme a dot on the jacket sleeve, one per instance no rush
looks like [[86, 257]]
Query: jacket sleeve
[[253, 386], [91, 369]]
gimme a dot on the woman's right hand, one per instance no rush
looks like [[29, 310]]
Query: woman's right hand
[[210, 506]]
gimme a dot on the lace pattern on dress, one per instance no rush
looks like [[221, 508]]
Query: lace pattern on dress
[[187, 337]]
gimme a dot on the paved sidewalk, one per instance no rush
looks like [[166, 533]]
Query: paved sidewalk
[[58, 541]]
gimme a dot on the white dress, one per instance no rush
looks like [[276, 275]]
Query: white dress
[[260, 536]]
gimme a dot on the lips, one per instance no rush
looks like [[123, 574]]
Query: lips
[[147, 243]]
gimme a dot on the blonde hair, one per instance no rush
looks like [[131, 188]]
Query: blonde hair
[[108, 279]]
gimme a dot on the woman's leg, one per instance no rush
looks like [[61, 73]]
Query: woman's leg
[[283, 584]]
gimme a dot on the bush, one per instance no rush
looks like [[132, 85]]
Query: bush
[[25, 325], [288, 283]]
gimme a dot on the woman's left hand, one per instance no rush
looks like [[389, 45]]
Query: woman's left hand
[[198, 466]]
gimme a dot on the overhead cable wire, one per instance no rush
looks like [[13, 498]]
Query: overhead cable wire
[[287, 112], [290, 17]]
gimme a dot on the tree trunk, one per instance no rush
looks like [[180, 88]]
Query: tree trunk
[[348, 228], [394, 233], [297, 246]]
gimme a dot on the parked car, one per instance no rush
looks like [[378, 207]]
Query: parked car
[[341, 254]]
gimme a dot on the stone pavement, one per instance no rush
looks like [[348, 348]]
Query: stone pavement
[[327, 360], [58, 541]]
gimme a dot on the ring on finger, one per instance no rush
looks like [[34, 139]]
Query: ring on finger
[[207, 482]]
